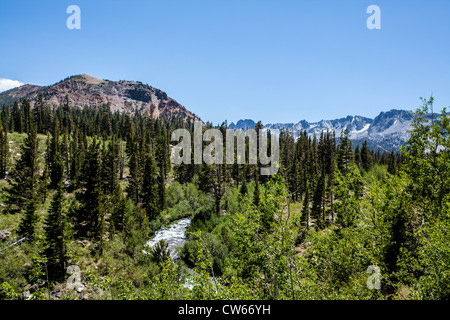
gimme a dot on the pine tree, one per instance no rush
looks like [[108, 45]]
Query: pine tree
[[54, 158], [5, 117], [64, 151], [118, 216], [129, 135], [162, 189], [257, 193], [17, 121], [54, 228], [358, 157], [28, 223], [90, 221], [66, 118], [244, 189], [38, 112], [26, 109], [3, 151], [133, 188], [23, 180], [136, 229], [77, 151], [345, 153], [110, 168], [162, 162], [151, 188], [319, 194], [365, 157], [392, 163], [305, 219]]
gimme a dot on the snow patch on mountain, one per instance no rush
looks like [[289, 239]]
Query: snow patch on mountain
[[387, 131]]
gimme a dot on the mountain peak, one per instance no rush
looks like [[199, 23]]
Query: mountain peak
[[85, 90], [86, 79], [387, 131]]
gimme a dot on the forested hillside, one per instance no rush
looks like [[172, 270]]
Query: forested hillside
[[88, 187]]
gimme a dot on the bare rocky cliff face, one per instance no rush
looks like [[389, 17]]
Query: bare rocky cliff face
[[84, 90]]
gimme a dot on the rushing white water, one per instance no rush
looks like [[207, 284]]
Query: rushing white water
[[174, 235]]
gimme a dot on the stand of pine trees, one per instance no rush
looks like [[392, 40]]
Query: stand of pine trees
[[86, 154], [107, 172]]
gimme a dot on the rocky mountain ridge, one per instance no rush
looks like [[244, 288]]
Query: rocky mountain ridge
[[386, 132], [85, 90]]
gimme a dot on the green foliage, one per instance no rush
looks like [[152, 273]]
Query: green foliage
[[427, 160], [348, 190], [310, 232], [8, 292], [136, 230], [434, 255], [3, 151], [90, 213], [24, 177], [54, 229], [375, 174], [213, 243], [28, 224], [160, 253], [150, 192]]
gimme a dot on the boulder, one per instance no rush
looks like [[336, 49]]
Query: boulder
[[4, 234], [57, 294], [26, 295], [81, 288]]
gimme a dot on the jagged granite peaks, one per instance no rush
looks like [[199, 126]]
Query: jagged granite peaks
[[387, 131]]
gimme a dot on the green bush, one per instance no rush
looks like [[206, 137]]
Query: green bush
[[216, 248]]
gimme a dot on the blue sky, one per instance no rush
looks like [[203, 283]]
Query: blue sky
[[274, 61]]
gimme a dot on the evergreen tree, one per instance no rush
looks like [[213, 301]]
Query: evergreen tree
[[54, 158], [54, 228], [392, 163], [135, 230], [306, 216], [134, 184], [345, 153], [357, 157], [110, 168], [5, 117], [162, 188], [244, 189], [66, 118], [3, 151], [28, 223], [118, 216], [90, 217], [24, 177], [38, 114], [17, 121], [317, 207], [26, 109], [365, 157], [257, 194], [151, 188], [77, 150], [64, 151]]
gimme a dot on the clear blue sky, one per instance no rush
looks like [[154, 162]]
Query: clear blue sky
[[275, 61]]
